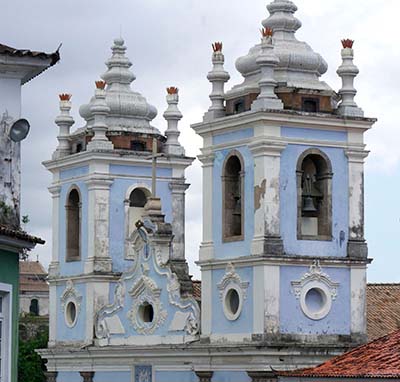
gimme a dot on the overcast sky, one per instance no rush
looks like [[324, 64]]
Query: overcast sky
[[169, 44]]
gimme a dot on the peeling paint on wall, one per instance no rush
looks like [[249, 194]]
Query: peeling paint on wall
[[259, 194]]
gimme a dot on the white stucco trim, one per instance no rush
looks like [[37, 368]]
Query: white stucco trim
[[271, 290], [206, 308], [258, 298], [52, 313], [7, 291], [327, 300], [358, 297]]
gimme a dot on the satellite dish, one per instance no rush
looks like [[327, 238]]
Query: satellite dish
[[19, 130]]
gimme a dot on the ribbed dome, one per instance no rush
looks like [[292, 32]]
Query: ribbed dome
[[129, 110], [299, 66]]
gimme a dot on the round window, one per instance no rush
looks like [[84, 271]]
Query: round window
[[70, 313], [146, 312], [232, 304], [316, 301]]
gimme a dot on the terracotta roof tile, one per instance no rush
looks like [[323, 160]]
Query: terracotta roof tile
[[31, 267], [32, 277], [4, 49], [377, 359], [21, 235], [383, 309]]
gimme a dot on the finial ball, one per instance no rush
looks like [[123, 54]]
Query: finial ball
[[119, 41]]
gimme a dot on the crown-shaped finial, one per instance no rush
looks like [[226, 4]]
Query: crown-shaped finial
[[172, 90], [65, 96], [347, 43], [100, 84], [267, 32], [217, 47]]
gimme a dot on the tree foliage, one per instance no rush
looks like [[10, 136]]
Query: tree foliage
[[30, 365]]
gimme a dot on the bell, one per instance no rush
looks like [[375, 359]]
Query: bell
[[308, 205]]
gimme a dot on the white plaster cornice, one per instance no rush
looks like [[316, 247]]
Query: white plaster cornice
[[268, 147], [356, 156]]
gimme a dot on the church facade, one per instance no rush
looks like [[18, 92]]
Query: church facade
[[283, 257]]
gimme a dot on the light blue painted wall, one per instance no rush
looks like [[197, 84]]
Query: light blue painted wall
[[139, 170], [175, 376], [238, 248], [74, 172], [118, 192], [340, 204], [233, 136], [69, 376], [244, 323], [64, 333], [161, 281], [314, 134], [292, 318], [112, 376], [74, 267], [230, 376]]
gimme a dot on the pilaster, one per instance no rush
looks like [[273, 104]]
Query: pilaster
[[98, 225], [357, 247], [51, 376], [262, 376], [267, 238], [55, 192], [207, 245]]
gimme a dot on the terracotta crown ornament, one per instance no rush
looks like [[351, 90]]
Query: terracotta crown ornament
[[172, 90], [266, 32], [100, 84], [347, 43], [65, 96], [217, 47]]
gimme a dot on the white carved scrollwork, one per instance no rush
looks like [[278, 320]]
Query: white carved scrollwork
[[232, 292], [316, 292], [70, 297], [145, 292]]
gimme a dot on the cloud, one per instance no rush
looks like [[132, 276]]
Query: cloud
[[169, 44]]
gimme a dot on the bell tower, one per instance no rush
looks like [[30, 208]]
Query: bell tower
[[283, 255]]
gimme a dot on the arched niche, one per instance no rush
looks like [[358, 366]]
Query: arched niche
[[135, 201], [73, 216], [233, 197], [314, 196]]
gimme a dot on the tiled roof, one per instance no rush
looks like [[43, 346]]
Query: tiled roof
[[20, 235], [32, 277], [4, 49], [377, 359], [383, 309]]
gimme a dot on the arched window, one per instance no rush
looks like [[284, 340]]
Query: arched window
[[34, 307], [73, 216], [314, 196], [137, 200], [233, 198]]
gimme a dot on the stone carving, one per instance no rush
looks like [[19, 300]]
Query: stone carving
[[137, 245], [102, 329], [231, 277], [70, 294], [145, 291], [316, 292], [315, 274]]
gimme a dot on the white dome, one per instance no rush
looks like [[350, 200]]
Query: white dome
[[299, 66], [129, 110]]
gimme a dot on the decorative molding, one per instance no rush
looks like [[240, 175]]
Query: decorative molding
[[232, 281], [51, 376], [204, 376], [144, 291], [71, 294], [315, 279], [87, 376]]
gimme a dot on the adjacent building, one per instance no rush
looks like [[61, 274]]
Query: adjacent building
[[17, 67], [283, 257]]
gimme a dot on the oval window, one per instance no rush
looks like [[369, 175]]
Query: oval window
[[316, 301], [232, 305], [70, 313]]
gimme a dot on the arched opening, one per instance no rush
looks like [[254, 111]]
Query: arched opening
[[314, 200], [34, 307], [73, 215], [232, 193], [137, 200]]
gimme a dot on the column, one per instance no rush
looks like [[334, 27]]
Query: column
[[356, 247], [207, 245], [204, 376], [87, 376], [51, 376], [267, 157], [98, 225]]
